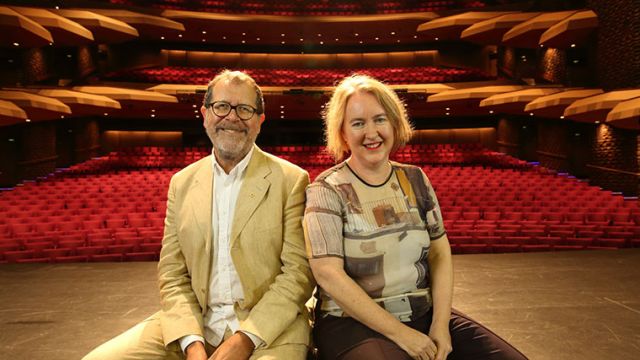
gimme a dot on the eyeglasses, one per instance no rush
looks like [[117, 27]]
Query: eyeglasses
[[222, 108]]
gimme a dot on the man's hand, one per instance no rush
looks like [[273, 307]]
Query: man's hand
[[238, 347], [196, 351]]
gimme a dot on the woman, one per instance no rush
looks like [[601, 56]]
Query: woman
[[377, 244]]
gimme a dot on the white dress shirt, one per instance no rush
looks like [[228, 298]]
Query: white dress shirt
[[225, 288]]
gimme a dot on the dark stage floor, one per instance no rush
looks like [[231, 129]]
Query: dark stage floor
[[562, 305]]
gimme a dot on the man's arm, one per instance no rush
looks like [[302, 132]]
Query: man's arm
[[292, 288], [181, 313]]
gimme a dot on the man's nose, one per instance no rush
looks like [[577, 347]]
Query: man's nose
[[233, 115]]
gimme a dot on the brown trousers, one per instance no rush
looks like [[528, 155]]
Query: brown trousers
[[347, 339]]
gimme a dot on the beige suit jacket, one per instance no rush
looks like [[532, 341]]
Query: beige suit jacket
[[266, 244]]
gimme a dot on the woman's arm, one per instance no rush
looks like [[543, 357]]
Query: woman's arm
[[441, 269], [330, 275]]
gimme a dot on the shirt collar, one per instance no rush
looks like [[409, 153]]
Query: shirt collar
[[237, 170]]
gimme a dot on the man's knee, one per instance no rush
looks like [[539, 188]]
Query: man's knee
[[143, 341]]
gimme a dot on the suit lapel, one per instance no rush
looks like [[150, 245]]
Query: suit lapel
[[254, 189], [202, 201]]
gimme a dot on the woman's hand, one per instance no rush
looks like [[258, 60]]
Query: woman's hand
[[415, 343], [442, 339]]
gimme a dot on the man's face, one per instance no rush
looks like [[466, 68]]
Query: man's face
[[232, 137]]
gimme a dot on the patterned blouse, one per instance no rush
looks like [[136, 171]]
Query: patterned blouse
[[381, 232]]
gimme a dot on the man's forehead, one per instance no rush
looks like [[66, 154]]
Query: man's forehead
[[233, 87]]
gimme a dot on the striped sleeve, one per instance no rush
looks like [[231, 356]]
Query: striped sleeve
[[434, 221], [323, 222]]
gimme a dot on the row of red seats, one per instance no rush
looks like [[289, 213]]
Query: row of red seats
[[468, 236], [478, 199], [298, 8], [303, 77], [124, 244]]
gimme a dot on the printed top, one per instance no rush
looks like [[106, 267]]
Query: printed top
[[381, 232]]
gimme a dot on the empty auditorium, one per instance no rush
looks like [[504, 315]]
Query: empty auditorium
[[403, 162]]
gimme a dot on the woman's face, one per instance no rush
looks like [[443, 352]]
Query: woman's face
[[367, 131]]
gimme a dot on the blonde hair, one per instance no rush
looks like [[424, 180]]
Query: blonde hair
[[334, 112], [235, 76]]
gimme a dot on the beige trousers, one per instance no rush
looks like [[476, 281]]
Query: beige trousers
[[144, 342]]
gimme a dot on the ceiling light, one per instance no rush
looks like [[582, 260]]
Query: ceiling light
[[530, 114], [12, 139], [282, 35], [203, 40], [597, 121], [243, 41], [243, 34], [377, 38], [57, 7], [153, 115], [195, 111], [541, 45], [415, 36], [204, 32], [153, 110], [447, 109], [437, 39], [561, 116], [360, 41], [337, 39], [321, 42], [106, 114], [258, 39], [16, 44], [281, 106], [224, 38], [28, 120], [398, 41], [301, 39], [573, 45], [161, 37], [179, 35], [319, 35], [447, 114], [197, 116], [282, 42], [194, 105], [393, 33], [281, 116], [281, 111], [50, 44], [61, 116], [490, 111]]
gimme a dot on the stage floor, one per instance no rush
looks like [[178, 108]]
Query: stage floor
[[558, 305]]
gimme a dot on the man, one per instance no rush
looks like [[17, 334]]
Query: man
[[233, 274]]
